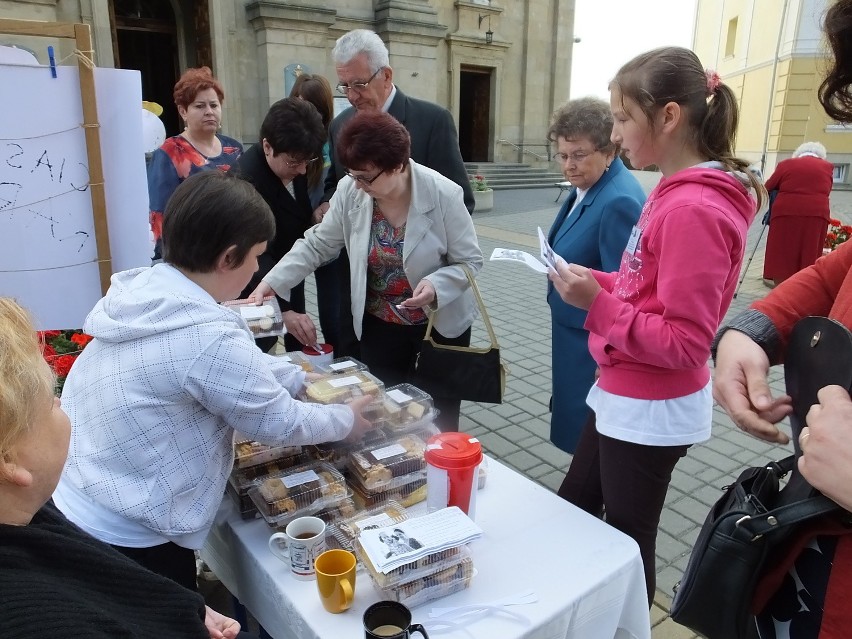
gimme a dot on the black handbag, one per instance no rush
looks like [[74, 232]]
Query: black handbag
[[755, 516], [462, 372]]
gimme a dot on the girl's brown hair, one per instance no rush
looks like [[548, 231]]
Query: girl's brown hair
[[316, 90], [674, 74]]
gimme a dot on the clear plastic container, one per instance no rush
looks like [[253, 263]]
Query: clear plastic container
[[249, 453], [264, 320], [337, 453], [406, 494], [416, 592], [338, 512], [242, 479], [345, 365], [346, 531], [336, 389], [423, 567], [243, 502], [299, 359], [303, 490], [394, 463], [407, 408]]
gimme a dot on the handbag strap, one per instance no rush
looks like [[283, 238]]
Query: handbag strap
[[491, 335], [785, 516]]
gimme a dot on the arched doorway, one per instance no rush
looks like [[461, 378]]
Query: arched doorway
[[148, 35], [475, 113]]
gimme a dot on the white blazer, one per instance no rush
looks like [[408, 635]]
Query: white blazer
[[439, 238]]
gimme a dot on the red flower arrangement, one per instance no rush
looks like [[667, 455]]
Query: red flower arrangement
[[60, 349], [838, 233]]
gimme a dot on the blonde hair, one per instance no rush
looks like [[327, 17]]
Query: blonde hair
[[25, 378]]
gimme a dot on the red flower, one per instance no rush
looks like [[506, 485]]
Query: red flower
[[62, 364], [81, 338], [834, 222], [48, 351], [49, 335]]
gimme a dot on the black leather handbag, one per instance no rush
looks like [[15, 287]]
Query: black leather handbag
[[755, 515], [462, 372]]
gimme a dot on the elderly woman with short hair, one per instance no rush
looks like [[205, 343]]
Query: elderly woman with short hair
[[407, 234], [590, 229], [800, 212]]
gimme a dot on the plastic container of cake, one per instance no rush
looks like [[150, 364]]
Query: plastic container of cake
[[407, 494], [416, 591], [263, 320], [394, 463], [343, 533], [248, 452], [337, 389], [333, 514], [407, 408], [302, 490], [345, 365], [337, 453], [422, 567], [299, 359], [245, 506], [242, 479]]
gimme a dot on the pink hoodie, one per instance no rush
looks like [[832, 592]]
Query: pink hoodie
[[652, 324]]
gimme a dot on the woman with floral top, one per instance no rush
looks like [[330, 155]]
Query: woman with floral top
[[198, 97], [407, 235]]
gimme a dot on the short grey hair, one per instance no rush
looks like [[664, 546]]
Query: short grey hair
[[583, 118], [361, 41], [810, 148]]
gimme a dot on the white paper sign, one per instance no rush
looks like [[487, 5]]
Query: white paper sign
[[48, 253]]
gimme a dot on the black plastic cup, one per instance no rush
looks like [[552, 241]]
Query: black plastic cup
[[390, 620]]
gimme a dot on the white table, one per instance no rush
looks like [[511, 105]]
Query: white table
[[587, 575]]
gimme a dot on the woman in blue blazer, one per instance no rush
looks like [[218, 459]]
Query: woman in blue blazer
[[591, 229]]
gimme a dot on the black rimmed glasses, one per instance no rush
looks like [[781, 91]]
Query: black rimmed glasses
[[294, 164], [344, 89], [576, 157], [360, 179]]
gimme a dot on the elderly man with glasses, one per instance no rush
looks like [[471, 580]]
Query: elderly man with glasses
[[291, 138], [365, 77]]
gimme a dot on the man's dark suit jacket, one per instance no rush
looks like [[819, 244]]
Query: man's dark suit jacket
[[434, 142]]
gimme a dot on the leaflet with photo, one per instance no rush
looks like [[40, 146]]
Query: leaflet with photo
[[515, 255], [402, 543]]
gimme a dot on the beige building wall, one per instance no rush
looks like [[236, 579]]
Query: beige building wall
[[431, 44], [772, 54]]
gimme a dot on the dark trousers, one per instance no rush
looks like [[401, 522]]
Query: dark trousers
[[169, 560], [348, 344], [390, 350], [626, 481], [328, 301]]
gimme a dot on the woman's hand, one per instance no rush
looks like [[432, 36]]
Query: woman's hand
[[575, 284], [320, 212], [826, 444], [740, 387], [361, 424], [300, 326], [219, 626], [263, 290], [423, 295]]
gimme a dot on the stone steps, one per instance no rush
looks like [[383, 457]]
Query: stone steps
[[513, 175]]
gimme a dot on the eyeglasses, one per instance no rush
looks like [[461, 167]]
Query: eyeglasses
[[294, 164], [577, 157], [360, 179], [357, 86]]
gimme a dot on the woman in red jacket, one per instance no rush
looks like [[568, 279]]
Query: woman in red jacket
[[800, 212]]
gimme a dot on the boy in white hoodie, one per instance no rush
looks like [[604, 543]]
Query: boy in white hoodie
[[156, 396]]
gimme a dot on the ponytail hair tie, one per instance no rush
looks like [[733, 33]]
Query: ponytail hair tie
[[713, 81]]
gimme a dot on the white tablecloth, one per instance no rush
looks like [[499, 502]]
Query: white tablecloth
[[587, 575]]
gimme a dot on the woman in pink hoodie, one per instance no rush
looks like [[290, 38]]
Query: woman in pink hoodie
[[651, 323]]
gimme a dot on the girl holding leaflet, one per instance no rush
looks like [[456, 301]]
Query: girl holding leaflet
[[652, 322]]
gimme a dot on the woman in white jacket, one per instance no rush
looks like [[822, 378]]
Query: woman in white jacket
[[408, 235], [156, 396]]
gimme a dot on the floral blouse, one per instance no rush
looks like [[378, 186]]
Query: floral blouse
[[387, 284], [171, 164]]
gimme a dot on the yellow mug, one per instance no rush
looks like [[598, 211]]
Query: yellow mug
[[336, 579]]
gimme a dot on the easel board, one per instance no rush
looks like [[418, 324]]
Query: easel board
[[48, 253]]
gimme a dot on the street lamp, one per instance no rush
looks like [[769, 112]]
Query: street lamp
[[489, 34]]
